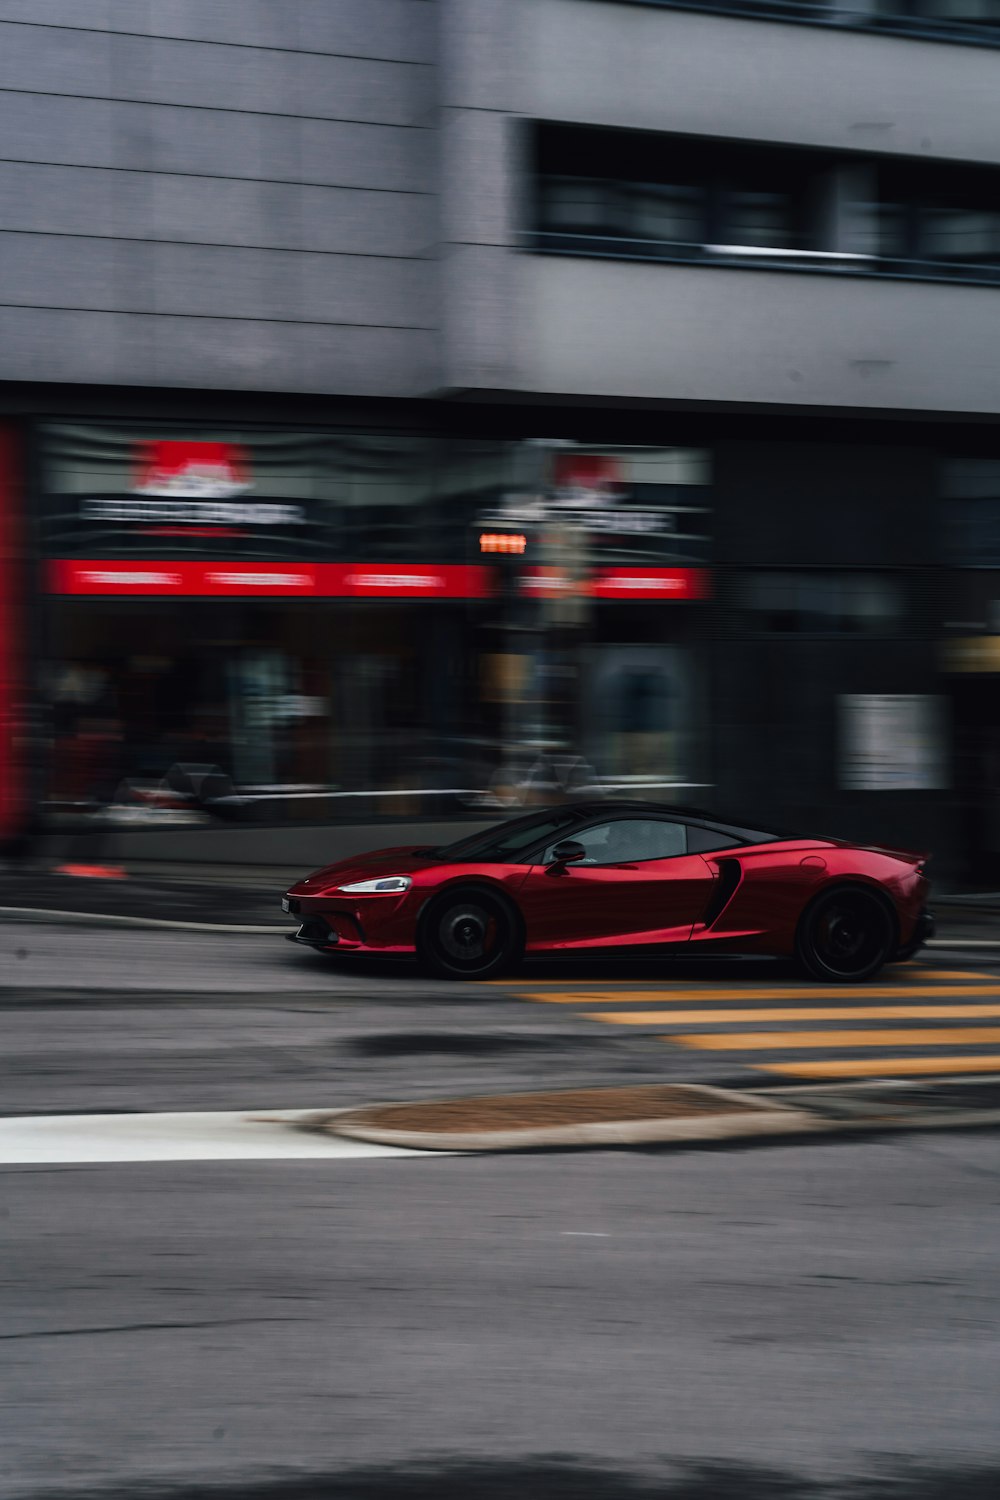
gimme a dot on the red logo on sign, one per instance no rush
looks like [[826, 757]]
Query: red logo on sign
[[587, 471], [195, 470]]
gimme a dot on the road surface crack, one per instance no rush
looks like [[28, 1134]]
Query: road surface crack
[[63, 1333]]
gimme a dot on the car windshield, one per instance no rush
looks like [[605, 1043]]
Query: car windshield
[[504, 842]]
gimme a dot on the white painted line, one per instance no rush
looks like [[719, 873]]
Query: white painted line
[[224, 1135], [954, 943]]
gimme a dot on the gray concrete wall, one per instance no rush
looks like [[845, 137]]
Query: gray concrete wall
[[326, 196], [481, 176], [578, 327], [683, 332], [235, 194], [655, 69]]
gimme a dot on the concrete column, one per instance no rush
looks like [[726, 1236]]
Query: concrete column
[[482, 172]]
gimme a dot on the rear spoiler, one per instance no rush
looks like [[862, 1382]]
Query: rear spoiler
[[920, 859]]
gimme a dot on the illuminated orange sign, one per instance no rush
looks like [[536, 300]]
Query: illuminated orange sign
[[502, 541]]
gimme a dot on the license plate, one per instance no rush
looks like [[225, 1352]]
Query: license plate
[[285, 906]]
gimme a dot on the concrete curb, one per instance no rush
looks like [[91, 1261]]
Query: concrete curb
[[776, 1112], [768, 1118], [259, 929], [108, 919]]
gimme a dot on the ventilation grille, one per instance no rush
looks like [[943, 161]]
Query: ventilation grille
[[729, 877]]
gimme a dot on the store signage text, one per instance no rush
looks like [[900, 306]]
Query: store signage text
[[189, 512]]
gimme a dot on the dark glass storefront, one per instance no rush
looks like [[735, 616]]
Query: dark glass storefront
[[270, 625]]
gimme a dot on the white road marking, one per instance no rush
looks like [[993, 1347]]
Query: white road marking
[[960, 942], [223, 1135]]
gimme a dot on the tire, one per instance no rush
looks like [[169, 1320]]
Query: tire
[[846, 935], [469, 933]]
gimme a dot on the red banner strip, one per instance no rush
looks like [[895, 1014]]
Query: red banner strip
[[268, 580], [11, 770], [650, 583], [619, 583]]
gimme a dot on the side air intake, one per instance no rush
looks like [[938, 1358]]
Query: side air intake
[[729, 876]]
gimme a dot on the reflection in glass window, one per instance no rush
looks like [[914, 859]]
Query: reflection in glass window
[[659, 211], [953, 232], [579, 205], [628, 841], [823, 603], [958, 12], [761, 219], [970, 491]]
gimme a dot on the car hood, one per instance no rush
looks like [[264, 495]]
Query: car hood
[[404, 860]]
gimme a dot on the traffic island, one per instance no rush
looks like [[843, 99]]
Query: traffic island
[[678, 1114], [637, 1115]]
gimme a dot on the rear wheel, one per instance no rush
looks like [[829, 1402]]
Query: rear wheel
[[469, 934], [846, 936]]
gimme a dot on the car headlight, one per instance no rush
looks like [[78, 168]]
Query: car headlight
[[385, 885]]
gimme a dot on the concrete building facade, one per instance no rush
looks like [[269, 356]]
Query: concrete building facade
[[750, 229]]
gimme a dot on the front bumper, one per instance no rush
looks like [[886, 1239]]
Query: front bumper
[[316, 932], [328, 925]]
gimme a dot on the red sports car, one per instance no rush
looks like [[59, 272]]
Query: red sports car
[[623, 876]]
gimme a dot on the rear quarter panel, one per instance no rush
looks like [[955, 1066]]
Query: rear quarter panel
[[778, 882]]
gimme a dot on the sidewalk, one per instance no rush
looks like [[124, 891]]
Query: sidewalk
[[200, 894], [228, 895]]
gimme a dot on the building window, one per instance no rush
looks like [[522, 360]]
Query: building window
[[976, 22], [970, 490], [680, 198]]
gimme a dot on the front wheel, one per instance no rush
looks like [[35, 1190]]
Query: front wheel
[[469, 934], [846, 936]]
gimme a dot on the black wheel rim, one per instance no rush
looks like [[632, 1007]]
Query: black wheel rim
[[469, 935], [850, 934]]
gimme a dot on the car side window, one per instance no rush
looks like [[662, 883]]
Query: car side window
[[626, 841], [704, 840]]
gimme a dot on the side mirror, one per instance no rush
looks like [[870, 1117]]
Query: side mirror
[[567, 853]]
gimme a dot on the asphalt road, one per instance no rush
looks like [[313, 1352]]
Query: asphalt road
[[552, 1325], [99, 1019], [825, 1311]]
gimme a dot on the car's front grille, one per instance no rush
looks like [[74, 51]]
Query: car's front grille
[[316, 930]]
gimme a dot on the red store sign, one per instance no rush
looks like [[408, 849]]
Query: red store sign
[[619, 583], [269, 580]]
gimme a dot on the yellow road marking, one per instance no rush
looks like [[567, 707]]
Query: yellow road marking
[[817, 1013], [840, 992], [881, 1067], [897, 973], [948, 974], [777, 1041]]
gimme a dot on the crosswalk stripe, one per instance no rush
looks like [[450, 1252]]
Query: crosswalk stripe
[[882, 1067], [947, 974], [816, 1013], [772, 993], [777, 1041], [912, 972]]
